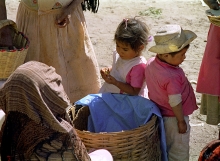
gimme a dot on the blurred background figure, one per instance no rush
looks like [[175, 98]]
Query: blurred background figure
[[58, 37]]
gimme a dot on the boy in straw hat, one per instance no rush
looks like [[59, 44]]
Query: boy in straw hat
[[170, 89]]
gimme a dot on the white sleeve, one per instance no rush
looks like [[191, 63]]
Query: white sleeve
[[175, 99]]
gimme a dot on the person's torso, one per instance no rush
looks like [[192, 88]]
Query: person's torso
[[46, 5], [120, 69], [163, 80]]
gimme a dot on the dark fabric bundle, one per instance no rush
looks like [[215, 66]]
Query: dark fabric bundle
[[91, 5], [21, 136]]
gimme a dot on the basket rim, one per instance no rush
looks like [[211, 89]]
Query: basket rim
[[8, 22], [153, 119], [21, 49]]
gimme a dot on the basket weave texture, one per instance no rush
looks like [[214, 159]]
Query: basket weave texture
[[11, 59], [139, 144]]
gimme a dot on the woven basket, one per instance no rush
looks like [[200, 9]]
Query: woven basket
[[139, 144], [11, 59]]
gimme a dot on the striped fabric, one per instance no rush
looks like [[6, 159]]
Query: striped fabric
[[36, 125]]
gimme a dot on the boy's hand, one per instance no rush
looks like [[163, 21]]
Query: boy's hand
[[182, 126], [181, 123]]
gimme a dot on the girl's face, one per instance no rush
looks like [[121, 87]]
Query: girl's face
[[125, 51], [177, 59]]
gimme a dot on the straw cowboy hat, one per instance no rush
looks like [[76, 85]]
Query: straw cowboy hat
[[171, 38], [214, 16]]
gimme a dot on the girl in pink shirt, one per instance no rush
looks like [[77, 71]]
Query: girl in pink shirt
[[127, 72]]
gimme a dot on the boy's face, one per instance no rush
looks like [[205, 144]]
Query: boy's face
[[125, 51], [177, 59]]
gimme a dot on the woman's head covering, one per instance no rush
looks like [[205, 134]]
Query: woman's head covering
[[35, 104]]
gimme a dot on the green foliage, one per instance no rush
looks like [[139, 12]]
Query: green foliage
[[152, 12]]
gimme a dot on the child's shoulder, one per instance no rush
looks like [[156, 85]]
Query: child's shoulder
[[143, 59], [150, 60]]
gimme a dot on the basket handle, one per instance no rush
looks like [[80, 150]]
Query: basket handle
[[8, 22]]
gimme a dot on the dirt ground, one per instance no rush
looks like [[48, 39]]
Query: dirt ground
[[190, 14]]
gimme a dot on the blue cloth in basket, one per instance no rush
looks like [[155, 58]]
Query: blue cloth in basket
[[117, 112]]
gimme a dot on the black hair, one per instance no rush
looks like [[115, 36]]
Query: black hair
[[133, 32], [174, 53], [91, 5]]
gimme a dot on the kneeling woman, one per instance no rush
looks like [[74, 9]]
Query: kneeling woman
[[37, 126]]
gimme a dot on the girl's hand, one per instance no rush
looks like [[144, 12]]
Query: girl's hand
[[182, 127], [110, 80], [105, 73]]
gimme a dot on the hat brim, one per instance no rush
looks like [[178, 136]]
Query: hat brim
[[164, 49]]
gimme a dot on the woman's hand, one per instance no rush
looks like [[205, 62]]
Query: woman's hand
[[63, 20]]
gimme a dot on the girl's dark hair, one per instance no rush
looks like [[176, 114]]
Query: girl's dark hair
[[174, 53], [91, 5], [133, 32]]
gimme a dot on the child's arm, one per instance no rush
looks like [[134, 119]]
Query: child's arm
[[180, 118], [122, 86], [136, 73], [105, 73]]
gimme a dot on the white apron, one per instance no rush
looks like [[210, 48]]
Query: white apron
[[120, 69]]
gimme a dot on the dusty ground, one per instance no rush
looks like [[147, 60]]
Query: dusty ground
[[190, 14]]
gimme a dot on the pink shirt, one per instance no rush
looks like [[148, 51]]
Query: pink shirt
[[163, 80], [136, 75]]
